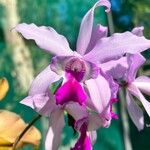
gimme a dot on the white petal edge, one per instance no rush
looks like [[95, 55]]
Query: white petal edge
[[135, 112], [143, 83], [137, 93]]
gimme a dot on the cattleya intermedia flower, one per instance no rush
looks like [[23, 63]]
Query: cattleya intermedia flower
[[126, 77], [11, 125], [87, 91]]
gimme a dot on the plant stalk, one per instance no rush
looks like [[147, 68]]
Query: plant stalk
[[24, 131]]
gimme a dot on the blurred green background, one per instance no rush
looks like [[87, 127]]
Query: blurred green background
[[21, 60]]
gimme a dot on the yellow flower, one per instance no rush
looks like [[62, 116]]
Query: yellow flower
[[4, 86], [11, 125]]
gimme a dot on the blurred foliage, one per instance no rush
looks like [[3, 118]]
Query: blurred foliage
[[65, 17]]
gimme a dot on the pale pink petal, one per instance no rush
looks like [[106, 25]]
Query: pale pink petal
[[124, 68], [76, 110], [135, 112], [136, 92], [116, 46], [87, 26], [98, 32], [53, 138], [45, 106], [114, 87], [135, 62], [40, 99], [44, 103], [46, 38], [99, 92], [143, 83], [89, 102], [28, 101], [115, 68], [42, 82], [138, 31]]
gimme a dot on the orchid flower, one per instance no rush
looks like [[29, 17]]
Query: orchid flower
[[93, 47], [134, 88], [124, 71], [67, 64], [126, 77], [75, 69], [126, 68], [85, 86]]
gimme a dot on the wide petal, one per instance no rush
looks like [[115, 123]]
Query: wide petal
[[135, 112], [40, 98], [138, 31], [46, 38], [44, 104], [42, 82], [135, 62], [136, 92], [114, 87], [53, 138], [115, 68], [143, 83], [99, 92], [98, 32], [87, 26], [116, 46]]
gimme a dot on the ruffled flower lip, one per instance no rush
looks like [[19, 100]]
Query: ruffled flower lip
[[70, 91]]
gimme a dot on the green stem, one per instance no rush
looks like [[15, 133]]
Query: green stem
[[124, 116], [110, 23], [125, 121], [24, 131]]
